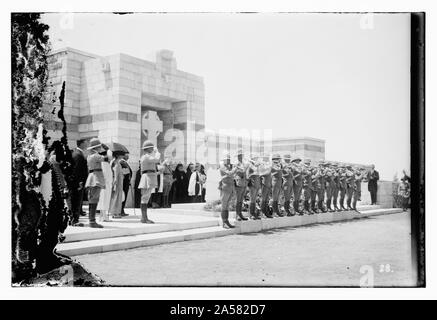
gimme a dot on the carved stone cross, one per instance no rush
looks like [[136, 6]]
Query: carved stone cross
[[151, 126]]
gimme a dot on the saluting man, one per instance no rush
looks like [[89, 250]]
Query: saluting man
[[297, 184], [149, 177], [287, 176], [254, 184], [265, 172], [95, 181], [276, 173], [240, 184], [226, 187]]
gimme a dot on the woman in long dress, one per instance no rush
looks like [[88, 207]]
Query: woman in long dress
[[105, 194], [117, 193]]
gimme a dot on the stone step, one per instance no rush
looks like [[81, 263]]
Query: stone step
[[189, 206], [119, 229], [142, 240], [148, 239]]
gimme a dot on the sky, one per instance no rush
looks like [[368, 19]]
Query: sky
[[343, 78]]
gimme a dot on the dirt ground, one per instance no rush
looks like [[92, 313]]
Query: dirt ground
[[319, 255]]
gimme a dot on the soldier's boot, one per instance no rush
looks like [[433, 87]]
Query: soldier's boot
[[287, 208], [313, 206], [92, 216], [144, 218], [328, 205], [336, 208], [342, 208], [321, 207], [239, 208], [276, 210], [265, 209], [252, 211], [225, 219], [348, 203]]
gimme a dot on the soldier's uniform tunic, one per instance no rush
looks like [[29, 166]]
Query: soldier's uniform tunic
[[329, 188], [307, 188], [240, 184]]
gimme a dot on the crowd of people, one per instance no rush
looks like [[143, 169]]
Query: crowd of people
[[263, 179], [104, 178]]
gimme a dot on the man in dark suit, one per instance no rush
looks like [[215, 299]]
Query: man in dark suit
[[127, 176], [80, 175], [372, 178]]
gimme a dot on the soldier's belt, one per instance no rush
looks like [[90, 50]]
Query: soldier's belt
[[148, 171], [95, 170]]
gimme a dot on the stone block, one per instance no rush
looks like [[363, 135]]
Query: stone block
[[249, 226]]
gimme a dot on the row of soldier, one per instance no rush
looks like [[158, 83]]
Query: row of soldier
[[324, 186]]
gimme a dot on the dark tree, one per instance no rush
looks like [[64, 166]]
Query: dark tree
[[36, 225]]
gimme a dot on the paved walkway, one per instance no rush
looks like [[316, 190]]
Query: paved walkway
[[318, 255]]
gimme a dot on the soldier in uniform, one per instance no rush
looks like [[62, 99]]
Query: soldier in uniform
[[226, 187], [297, 184], [287, 176], [308, 187], [149, 179], [329, 186], [95, 180], [335, 186], [265, 172], [320, 186], [276, 173], [350, 186], [254, 184], [342, 187], [240, 184], [359, 176]]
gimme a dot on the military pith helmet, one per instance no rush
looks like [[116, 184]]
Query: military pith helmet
[[296, 160], [287, 156], [240, 152], [276, 156], [94, 144], [349, 167], [148, 144], [307, 161]]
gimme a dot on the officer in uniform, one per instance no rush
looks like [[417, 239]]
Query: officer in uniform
[[265, 172], [297, 184], [350, 186], [240, 184], [149, 178], [307, 186], [287, 176], [226, 187], [254, 184], [342, 187], [95, 180], [276, 173]]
